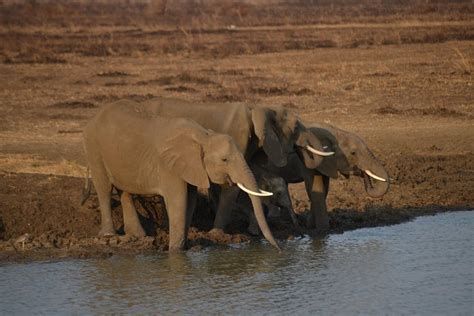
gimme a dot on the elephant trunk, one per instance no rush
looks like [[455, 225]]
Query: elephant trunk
[[376, 181], [248, 180]]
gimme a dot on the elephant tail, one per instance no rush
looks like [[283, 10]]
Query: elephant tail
[[86, 190]]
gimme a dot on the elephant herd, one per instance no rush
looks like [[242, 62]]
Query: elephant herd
[[171, 147]]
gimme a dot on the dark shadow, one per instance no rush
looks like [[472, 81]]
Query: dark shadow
[[372, 216]]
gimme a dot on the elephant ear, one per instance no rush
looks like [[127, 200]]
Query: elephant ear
[[263, 120], [183, 156], [329, 165], [304, 138]]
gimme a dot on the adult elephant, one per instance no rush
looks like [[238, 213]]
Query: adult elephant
[[352, 157], [141, 154], [274, 131]]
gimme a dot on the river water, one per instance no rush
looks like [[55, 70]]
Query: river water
[[421, 267]]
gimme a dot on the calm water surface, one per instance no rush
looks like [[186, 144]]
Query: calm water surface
[[421, 267]]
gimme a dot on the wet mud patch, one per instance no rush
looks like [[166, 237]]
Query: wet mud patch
[[39, 78], [66, 117], [73, 105], [107, 98], [223, 96], [81, 83], [178, 79], [113, 74], [138, 97], [115, 84], [69, 131], [381, 74], [34, 58], [104, 47], [417, 111], [279, 91], [48, 222], [181, 89]]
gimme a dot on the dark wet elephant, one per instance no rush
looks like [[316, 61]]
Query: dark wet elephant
[[352, 157]]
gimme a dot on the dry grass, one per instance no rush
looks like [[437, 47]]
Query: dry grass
[[50, 32], [417, 111], [211, 14], [463, 63]]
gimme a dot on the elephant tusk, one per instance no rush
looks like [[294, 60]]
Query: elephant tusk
[[264, 193], [376, 177], [318, 152]]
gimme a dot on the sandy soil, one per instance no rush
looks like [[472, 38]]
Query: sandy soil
[[405, 87]]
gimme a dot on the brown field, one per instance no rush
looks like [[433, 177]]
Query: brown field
[[399, 76]]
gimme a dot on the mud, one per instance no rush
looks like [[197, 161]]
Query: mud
[[41, 219]]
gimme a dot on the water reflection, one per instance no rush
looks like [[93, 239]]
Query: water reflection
[[422, 266]]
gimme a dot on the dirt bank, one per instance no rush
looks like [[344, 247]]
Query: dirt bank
[[41, 217]]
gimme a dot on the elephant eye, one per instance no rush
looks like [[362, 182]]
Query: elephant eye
[[224, 159], [353, 153]]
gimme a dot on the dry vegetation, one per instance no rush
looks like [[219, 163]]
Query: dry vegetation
[[399, 73]]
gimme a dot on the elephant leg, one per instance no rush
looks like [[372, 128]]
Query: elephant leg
[[176, 205], [224, 210], [131, 222], [103, 188], [317, 192], [190, 205], [326, 186], [214, 192]]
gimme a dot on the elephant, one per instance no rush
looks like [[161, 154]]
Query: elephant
[[352, 157], [274, 131], [154, 155], [275, 204], [355, 159]]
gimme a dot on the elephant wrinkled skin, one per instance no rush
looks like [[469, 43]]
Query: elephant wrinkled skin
[[142, 154]]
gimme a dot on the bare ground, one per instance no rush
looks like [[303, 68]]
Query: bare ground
[[405, 87]]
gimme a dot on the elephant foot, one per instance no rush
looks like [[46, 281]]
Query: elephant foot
[[135, 232], [310, 222], [320, 222], [107, 232], [177, 246]]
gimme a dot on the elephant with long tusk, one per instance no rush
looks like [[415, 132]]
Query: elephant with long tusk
[[276, 204], [352, 157], [274, 131], [147, 154]]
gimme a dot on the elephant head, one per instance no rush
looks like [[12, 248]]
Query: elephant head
[[280, 201], [353, 157], [331, 165], [278, 205], [280, 131], [199, 155]]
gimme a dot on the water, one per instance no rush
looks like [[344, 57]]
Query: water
[[422, 267]]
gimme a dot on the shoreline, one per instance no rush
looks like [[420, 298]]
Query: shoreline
[[40, 249]]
